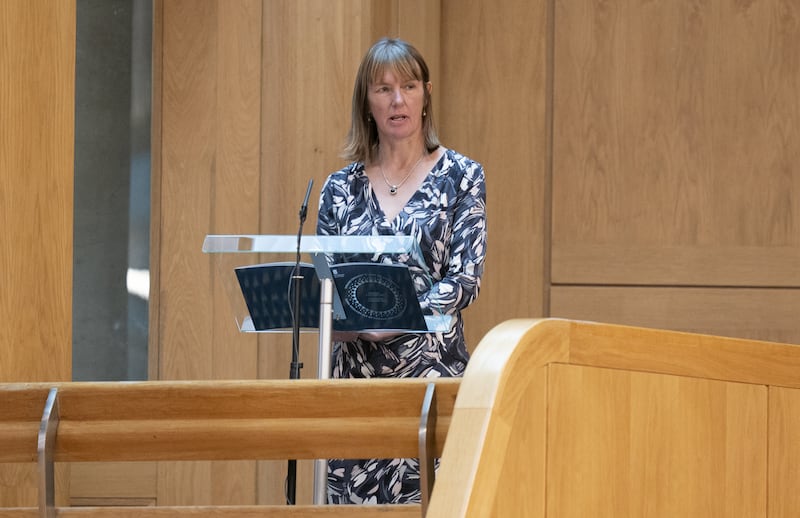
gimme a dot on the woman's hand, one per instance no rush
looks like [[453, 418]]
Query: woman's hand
[[378, 336], [370, 336], [345, 336]]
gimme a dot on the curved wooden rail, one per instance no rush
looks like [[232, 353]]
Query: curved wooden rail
[[569, 419]]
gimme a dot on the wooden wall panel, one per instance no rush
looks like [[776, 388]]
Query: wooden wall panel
[[675, 265], [676, 142], [37, 102], [493, 109], [210, 157], [784, 427], [118, 481], [703, 435], [37, 106], [759, 314]]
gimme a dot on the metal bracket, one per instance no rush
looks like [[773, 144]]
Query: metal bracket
[[48, 429], [427, 446]]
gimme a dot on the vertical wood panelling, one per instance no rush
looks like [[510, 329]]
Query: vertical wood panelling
[[676, 136], [187, 146], [235, 206], [702, 436], [37, 99], [210, 174], [675, 164], [493, 110], [188, 149], [37, 106], [784, 452]]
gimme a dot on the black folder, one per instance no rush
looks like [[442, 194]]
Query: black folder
[[375, 296]]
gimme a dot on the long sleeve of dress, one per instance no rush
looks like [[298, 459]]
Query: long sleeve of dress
[[467, 248]]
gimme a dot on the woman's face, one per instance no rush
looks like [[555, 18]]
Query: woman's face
[[396, 106]]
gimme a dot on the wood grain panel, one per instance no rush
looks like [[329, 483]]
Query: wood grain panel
[[112, 480], [493, 106], [210, 173], [680, 265], [235, 207], [675, 126], [699, 447], [760, 314], [37, 106], [784, 452], [185, 304], [37, 99], [188, 155]]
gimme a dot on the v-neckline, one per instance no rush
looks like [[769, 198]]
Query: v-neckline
[[427, 178], [380, 209]]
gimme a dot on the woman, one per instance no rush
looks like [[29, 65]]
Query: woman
[[401, 181]]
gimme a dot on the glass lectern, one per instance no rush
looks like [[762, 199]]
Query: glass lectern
[[351, 284]]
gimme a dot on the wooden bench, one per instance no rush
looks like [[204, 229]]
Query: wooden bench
[[224, 420]]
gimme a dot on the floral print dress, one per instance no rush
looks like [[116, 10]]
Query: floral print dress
[[447, 215]]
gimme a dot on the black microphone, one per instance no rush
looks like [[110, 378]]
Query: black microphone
[[296, 365], [304, 206]]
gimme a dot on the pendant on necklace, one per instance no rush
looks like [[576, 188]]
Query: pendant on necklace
[[393, 190]]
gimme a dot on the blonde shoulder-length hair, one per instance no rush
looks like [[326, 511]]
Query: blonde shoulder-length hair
[[403, 60]]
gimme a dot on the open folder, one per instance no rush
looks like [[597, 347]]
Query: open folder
[[374, 296]]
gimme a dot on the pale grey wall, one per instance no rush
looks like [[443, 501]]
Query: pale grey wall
[[112, 187]]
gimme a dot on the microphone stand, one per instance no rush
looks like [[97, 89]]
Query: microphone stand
[[296, 365]]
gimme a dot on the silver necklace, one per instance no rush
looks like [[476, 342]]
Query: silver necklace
[[393, 187]]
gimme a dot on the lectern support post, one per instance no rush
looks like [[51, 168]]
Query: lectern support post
[[325, 328], [324, 372]]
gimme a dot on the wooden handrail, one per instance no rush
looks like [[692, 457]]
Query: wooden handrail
[[140, 421], [22, 406], [226, 420]]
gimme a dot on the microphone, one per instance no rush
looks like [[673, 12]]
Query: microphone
[[304, 206], [296, 365]]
